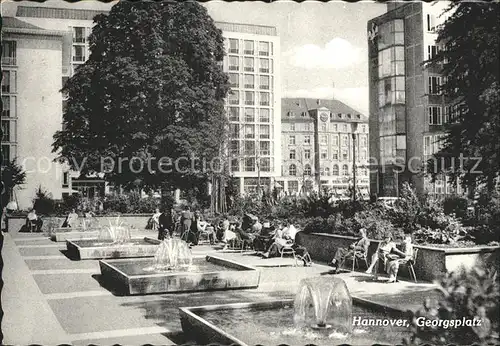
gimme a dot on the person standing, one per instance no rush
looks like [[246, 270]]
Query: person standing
[[186, 221], [165, 223]]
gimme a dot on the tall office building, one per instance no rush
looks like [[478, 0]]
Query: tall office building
[[254, 103], [322, 142], [407, 110], [42, 46]]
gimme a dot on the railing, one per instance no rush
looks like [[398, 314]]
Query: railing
[[249, 52], [264, 87], [264, 70], [79, 58], [249, 69], [8, 60], [234, 102], [262, 53], [249, 86], [234, 85], [234, 50], [250, 103], [234, 68], [264, 103], [79, 40]]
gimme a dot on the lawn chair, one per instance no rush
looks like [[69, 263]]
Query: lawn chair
[[207, 232], [409, 265], [288, 250], [358, 256], [32, 226]]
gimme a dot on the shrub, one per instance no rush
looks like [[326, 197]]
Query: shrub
[[43, 202], [456, 205], [317, 205], [465, 296], [117, 203]]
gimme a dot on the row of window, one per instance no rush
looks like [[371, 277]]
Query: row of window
[[249, 98], [250, 115], [251, 164], [335, 154], [264, 81], [432, 144], [249, 148], [9, 106], [347, 116], [249, 47], [323, 140], [325, 171], [8, 130], [8, 53], [324, 127], [265, 65], [439, 115], [248, 131], [9, 81]]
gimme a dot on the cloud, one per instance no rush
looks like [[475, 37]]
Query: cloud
[[356, 98], [337, 54]]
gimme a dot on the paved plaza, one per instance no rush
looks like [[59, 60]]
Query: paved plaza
[[50, 299]]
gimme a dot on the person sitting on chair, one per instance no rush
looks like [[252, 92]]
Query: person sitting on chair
[[265, 237], [358, 248], [387, 250], [250, 227], [165, 224], [155, 220], [34, 220], [394, 263], [71, 219]]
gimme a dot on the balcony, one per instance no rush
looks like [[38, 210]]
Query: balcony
[[79, 39], [262, 53], [234, 68], [249, 69], [249, 86], [264, 87], [249, 102], [234, 85], [248, 52], [264, 103], [264, 70], [78, 58], [264, 136], [234, 50], [9, 60], [265, 153], [234, 102]]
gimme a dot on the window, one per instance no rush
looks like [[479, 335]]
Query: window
[[249, 98], [265, 66], [79, 35], [291, 140], [234, 114], [6, 131], [264, 48], [233, 46], [303, 114], [307, 127], [324, 127], [264, 131], [249, 115], [265, 164], [248, 64], [8, 81], [344, 128], [435, 115], [293, 186], [345, 155], [65, 182], [234, 97], [78, 53], [432, 51], [363, 155], [307, 170], [8, 53], [324, 154], [327, 171], [234, 130], [292, 127], [364, 142], [307, 154], [323, 140], [345, 170], [248, 47], [344, 140], [249, 149], [307, 139], [335, 128], [234, 148], [434, 85], [335, 170], [335, 154], [249, 131], [431, 23], [292, 154], [264, 99], [292, 170], [264, 115], [6, 153], [290, 114], [249, 81], [235, 165], [234, 80], [264, 82], [335, 140], [265, 148], [6, 106], [234, 63], [250, 164]]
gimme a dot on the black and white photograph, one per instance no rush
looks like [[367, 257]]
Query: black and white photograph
[[250, 173]]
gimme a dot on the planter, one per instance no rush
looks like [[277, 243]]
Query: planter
[[96, 249], [431, 264], [74, 235]]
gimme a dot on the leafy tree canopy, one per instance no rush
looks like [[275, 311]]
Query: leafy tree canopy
[[152, 87], [470, 61], [12, 175]]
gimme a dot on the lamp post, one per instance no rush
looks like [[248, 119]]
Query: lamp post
[[354, 127]]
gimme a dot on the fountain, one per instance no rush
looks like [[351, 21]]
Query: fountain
[[321, 314], [114, 241], [173, 269], [89, 229]]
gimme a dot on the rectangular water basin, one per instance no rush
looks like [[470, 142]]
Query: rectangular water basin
[[73, 234], [208, 274], [98, 249], [271, 323]]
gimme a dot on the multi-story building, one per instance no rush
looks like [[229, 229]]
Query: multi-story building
[[324, 144], [42, 46], [254, 103], [407, 110]]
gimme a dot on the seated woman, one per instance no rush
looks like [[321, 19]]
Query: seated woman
[[265, 238], [71, 219], [32, 219], [394, 263], [387, 250], [283, 239], [359, 248]]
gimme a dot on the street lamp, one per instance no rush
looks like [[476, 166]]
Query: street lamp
[[354, 127]]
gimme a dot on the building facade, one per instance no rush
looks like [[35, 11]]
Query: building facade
[[407, 110], [254, 103], [324, 144], [43, 46]]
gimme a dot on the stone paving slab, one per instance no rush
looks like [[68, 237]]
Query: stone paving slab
[[44, 241], [41, 251], [63, 263], [153, 339], [66, 283]]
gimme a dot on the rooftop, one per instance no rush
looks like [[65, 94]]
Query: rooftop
[[58, 13], [247, 28], [14, 23], [299, 105]]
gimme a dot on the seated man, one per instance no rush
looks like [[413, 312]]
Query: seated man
[[285, 240], [394, 263], [34, 220], [359, 248], [71, 219], [265, 237], [250, 227], [387, 250]]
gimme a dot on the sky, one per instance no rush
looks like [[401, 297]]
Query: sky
[[324, 48]]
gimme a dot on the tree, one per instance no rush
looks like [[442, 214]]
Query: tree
[[153, 87], [12, 176], [469, 57]]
